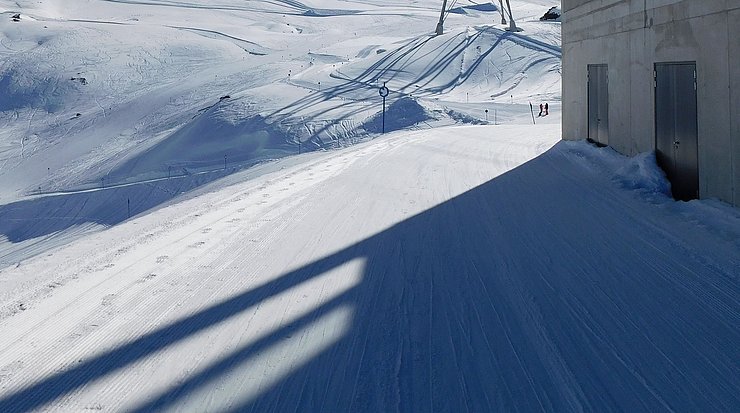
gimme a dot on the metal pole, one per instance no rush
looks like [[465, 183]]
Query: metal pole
[[531, 110], [383, 91], [503, 16], [440, 25], [512, 25], [383, 114]]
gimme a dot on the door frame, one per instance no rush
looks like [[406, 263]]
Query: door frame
[[696, 105], [596, 141]]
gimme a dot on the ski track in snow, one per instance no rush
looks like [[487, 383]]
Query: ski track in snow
[[155, 64], [480, 270]]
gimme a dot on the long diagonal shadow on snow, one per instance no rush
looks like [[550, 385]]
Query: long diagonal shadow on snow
[[386, 69], [112, 361], [362, 86], [504, 298]]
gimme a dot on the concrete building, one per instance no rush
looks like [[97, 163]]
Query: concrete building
[[663, 75]]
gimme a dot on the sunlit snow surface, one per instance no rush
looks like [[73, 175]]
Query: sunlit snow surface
[[169, 250], [112, 108]]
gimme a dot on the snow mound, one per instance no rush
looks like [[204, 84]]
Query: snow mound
[[463, 118], [401, 114], [328, 12], [486, 7], [223, 134], [27, 89], [642, 173], [552, 15], [31, 78]]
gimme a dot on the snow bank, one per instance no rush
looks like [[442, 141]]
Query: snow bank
[[224, 135], [401, 114], [552, 15], [646, 181], [640, 173], [484, 7]]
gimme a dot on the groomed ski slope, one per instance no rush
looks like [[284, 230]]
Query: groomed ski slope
[[467, 269]]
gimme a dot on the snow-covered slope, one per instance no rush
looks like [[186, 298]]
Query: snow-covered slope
[[437, 268], [480, 268], [122, 95], [87, 85]]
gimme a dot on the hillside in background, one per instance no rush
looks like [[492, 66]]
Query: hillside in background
[[126, 90], [147, 100]]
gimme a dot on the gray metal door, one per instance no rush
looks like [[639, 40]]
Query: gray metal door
[[676, 127], [598, 104]]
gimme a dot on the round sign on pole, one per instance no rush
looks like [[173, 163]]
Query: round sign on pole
[[383, 91]]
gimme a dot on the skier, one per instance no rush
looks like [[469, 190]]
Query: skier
[[547, 112], [541, 109]]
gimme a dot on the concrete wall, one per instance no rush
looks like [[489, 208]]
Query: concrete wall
[[630, 36], [733, 33]]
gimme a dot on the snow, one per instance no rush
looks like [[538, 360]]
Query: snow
[[553, 14], [169, 249], [457, 268], [125, 96]]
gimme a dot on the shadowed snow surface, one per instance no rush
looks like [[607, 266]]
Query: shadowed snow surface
[[480, 268]]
